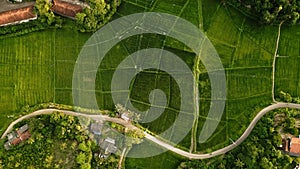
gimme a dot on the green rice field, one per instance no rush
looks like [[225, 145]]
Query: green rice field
[[287, 77], [38, 67]]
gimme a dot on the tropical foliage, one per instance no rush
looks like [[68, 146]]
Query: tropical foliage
[[270, 11], [98, 14], [57, 141], [260, 149], [45, 15]]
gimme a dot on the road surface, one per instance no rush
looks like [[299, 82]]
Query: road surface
[[158, 141]]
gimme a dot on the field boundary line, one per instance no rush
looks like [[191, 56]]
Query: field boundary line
[[213, 16], [241, 30], [256, 43], [161, 107], [200, 15], [54, 68], [132, 3], [274, 62], [213, 39], [196, 72], [153, 7], [122, 158], [240, 98]]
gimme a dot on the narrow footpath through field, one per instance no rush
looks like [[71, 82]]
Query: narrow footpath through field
[[274, 61]]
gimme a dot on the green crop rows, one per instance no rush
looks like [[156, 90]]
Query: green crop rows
[[38, 67], [287, 77]]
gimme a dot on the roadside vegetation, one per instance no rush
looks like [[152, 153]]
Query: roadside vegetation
[[57, 141], [287, 98], [62, 141], [38, 68], [261, 149]]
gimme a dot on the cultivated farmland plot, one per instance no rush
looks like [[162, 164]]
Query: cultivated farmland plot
[[38, 67], [287, 75], [287, 62], [33, 66]]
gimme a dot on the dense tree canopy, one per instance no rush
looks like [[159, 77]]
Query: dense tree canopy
[[99, 13], [270, 11], [45, 15], [54, 143], [259, 150]]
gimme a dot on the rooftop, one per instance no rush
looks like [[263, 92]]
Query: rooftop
[[96, 128], [16, 15], [7, 6], [65, 9], [17, 137], [23, 128], [23, 136], [295, 145], [109, 146], [126, 116]]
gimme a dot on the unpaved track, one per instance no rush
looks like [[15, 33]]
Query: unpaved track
[[274, 62], [156, 140]]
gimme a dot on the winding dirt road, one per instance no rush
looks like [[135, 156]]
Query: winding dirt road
[[156, 140], [231, 146]]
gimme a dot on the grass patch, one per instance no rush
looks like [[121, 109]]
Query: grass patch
[[167, 160], [32, 66], [38, 72], [287, 75], [218, 140], [223, 29], [248, 82], [289, 44]]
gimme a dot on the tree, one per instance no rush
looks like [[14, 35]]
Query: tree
[[99, 13], [273, 11], [239, 163], [83, 147], [43, 9], [85, 166], [265, 163], [285, 97], [81, 158]]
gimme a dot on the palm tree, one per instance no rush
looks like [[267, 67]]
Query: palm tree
[[239, 163]]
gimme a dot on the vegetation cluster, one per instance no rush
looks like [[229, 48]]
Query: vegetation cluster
[[270, 11], [261, 149]]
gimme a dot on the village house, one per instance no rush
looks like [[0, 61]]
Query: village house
[[17, 137], [126, 116], [108, 146], [96, 128], [295, 147], [26, 14], [17, 16], [65, 9], [291, 146]]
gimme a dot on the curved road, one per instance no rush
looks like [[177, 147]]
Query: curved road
[[156, 140]]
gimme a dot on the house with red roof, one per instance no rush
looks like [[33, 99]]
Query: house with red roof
[[65, 9], [16, 137], [17, 16], [25, 14], [294, 147]]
